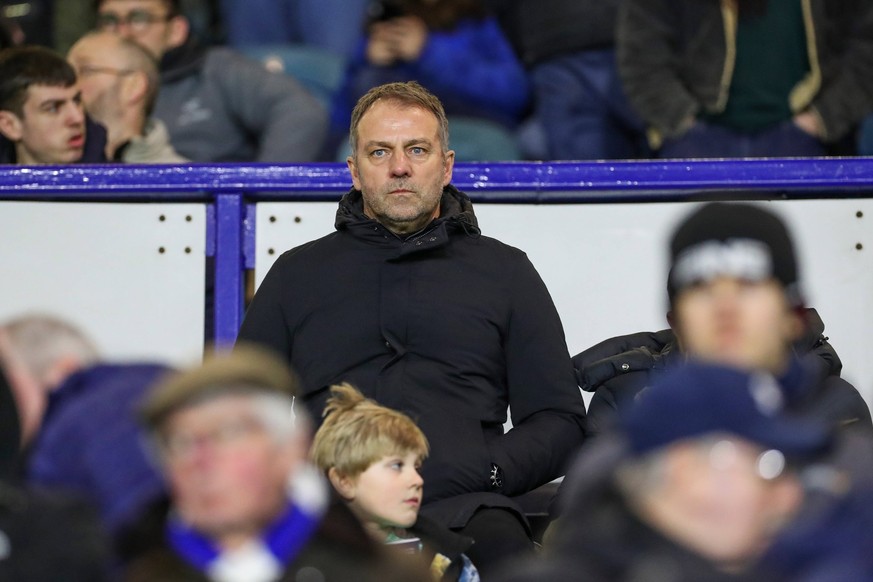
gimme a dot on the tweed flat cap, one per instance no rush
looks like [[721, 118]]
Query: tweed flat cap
[[246, 368]]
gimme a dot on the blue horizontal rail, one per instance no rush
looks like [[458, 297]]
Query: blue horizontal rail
[[511, 181], [228, 189]]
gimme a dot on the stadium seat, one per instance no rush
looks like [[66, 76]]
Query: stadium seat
[[318, 70], [474, 140]]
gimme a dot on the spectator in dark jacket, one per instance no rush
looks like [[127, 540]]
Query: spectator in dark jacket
[[580, 111], [752, 319], [748, 78], [42, 119], [708, 476], [411, 304]]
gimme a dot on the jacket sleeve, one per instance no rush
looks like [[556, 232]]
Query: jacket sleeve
[[546, 406], [646, 40], [475, 60], [265, 323], [290, 123], [846, 95]]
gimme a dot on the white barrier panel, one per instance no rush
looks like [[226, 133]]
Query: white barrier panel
[[129, 275], [605, 264]]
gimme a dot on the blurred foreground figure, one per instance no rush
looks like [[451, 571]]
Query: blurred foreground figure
[[78, 416], [245, 505], [707, 477]]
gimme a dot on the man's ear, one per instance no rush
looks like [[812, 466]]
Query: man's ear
[[136, 88], [179, 30], [343, 484], [11, 126], [353, 170]]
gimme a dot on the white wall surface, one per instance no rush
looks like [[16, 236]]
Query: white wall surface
[[605, 264], [99, 267]]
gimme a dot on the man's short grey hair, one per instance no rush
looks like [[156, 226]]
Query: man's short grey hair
[[40, 340]]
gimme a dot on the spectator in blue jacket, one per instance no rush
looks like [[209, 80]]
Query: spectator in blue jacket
[[77, 416], [455, 49]]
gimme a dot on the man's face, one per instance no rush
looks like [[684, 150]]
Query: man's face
[[101, 72], [51, 129], [388, 494], [147, 22], [748, 324], [227, 474], [399, 166], [724, 502]]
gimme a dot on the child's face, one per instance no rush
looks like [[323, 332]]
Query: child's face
[[388, 493]]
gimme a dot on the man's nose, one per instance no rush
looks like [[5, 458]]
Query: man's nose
[[124, 30], [76, 114], [400, 164]]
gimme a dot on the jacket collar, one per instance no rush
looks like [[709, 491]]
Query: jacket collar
[[456, 214], [182, 61]]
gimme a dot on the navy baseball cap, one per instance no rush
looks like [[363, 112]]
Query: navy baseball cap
[[696, 399]]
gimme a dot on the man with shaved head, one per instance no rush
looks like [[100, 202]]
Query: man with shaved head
[[119, 81]]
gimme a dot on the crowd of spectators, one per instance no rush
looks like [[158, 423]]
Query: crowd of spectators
[[565, 80], [358, 429]]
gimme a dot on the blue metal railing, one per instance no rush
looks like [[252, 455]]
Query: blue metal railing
[[229, 190]]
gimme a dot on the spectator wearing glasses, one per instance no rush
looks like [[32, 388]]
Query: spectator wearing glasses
[[119, 81], [708, 476], [42, 120], [246, 505], [217, 105]]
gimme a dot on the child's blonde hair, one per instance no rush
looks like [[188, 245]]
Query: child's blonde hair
[[357, 432]]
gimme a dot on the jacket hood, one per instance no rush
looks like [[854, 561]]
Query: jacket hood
[[456, 210], [182, 61]]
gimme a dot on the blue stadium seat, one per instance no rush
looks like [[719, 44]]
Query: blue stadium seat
[[474, 140], [317, 69]]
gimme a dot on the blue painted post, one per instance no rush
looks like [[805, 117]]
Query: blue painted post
[[228, 297]]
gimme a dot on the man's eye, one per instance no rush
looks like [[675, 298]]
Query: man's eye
[[136, 17], [378, 153], [417, 151]]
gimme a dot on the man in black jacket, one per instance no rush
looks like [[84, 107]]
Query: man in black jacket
[[408, 302]]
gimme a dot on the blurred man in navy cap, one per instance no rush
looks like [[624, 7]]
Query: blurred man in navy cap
[[707, 476], [736, 298]]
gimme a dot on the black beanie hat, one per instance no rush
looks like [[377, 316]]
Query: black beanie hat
[[734, 239]]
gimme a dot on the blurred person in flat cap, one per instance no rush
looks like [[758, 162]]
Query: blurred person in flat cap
[[735, 297], [708, 476], [245, 504]]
